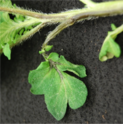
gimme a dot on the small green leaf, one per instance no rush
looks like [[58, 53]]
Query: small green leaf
[[48, 47], [42, 51], [110, 48], [113, 27], [58, 87], [7, 51]]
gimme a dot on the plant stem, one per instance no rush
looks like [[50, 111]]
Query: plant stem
[[30, 13], [98, 10], [45, 56], [57, 30], [68, 18], [85, 15]]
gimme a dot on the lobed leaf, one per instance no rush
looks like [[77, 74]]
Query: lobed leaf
[[58, 87]]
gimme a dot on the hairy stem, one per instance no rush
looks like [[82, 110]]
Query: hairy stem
[[102, 11], [30, 13], [57, 30], [24, 37], [68, 18], [98, 10]]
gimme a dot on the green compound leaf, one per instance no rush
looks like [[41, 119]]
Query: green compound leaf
[[59, 87], [7, 51], [14, 31], [110, 48]]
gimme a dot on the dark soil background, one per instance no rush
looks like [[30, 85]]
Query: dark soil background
[[80, 44]]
